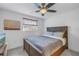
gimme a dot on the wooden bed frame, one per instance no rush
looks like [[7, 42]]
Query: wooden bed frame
[[33, 52]]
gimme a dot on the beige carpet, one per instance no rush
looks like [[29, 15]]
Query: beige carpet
[[17, 52], [69, 53], [20, 52]]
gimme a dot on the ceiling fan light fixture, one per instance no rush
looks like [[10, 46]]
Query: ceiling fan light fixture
[[43, 11]]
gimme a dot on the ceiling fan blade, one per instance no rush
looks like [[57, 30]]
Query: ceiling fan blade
[[49, 5], [43, 4], [51, 10], [37, 5], [37, 11]]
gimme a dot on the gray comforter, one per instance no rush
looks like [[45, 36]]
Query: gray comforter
[[45, 44]]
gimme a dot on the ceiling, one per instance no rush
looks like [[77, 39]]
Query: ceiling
[[29, 8]]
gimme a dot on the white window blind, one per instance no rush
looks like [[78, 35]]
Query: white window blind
[[30, 25], [29, 22]]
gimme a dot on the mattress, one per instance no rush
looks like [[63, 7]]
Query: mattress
[[44, 44]]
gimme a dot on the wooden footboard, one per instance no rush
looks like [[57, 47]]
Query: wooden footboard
[[30, 50], [59, 51], [34, 52], [26, 47]]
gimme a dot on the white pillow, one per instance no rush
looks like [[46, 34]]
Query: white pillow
[[58, 34], [60, 38], [48, 33], [50, 36]]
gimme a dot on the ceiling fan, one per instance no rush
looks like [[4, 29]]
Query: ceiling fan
[[44, 8]]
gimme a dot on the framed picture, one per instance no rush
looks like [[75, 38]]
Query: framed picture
[[11, 25]]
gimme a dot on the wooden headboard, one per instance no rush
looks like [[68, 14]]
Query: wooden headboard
[[60, 29]]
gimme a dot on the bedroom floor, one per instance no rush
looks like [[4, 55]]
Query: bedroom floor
[[20, 52]]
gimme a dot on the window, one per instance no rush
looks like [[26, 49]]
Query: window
[[30, 24]]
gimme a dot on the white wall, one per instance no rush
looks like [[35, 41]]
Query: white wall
[[15, 37], [71, 19]]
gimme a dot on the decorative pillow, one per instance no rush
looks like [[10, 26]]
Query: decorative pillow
[[48, 33], [58, 34]]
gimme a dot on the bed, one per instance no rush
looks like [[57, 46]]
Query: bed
[[46, 46]]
